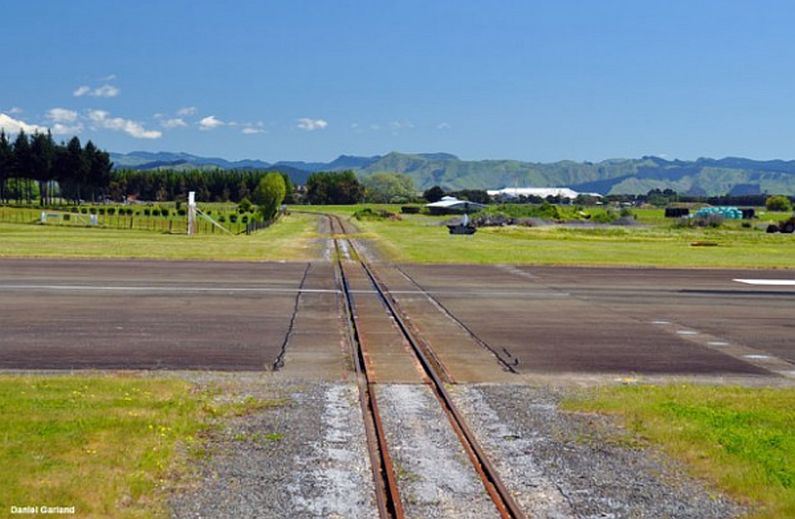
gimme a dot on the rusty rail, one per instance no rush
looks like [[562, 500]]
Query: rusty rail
[[386, 489], [499, 493]]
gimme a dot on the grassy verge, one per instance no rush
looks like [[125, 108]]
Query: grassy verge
[[740, 439], [291, 238], [103, 445], [110, 446], [423, 239]]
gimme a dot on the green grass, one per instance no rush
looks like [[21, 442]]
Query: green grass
[[106, 445], [742, 440], [291, 238], [423, 239]]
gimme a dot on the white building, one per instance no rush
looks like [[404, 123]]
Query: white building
[[543, 192], [451, 204]]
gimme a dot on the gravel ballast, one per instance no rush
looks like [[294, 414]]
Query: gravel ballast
[[560, 464], [305, 458], [435, 475]]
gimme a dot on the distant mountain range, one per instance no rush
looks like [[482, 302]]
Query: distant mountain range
[[703, 176]]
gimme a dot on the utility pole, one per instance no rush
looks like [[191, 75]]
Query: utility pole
[[191, 213]]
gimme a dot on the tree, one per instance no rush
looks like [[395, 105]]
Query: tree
[[387, 188], [478, 196], [23, 162], [289, 197], [433, 194], [73, 170], [97, 170], [269, 194], [335, 187], [6, 163], [42, 151], [778, 203]]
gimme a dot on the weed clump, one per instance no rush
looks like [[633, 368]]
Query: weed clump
[[368, 213]]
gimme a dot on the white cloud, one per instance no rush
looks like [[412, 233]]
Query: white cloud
[[103, 91], [11, 125], [109, 77], [188, 110], [176, 122], [103, 120], [61, 115], [251, 131], [443, 126], [401, 125], [210, 122], [15, 110], [106, 91], [65, 129], [309, 125]]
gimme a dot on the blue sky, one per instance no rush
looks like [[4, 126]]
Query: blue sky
[[300, 80]]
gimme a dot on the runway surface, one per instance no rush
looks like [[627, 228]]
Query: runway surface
[[59, 314]]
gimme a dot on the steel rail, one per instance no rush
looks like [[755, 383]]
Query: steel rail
[[499, 493], [386, 489]]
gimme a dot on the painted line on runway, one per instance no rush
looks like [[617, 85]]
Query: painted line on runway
[[181, 288], [768, 282], [172, 288]]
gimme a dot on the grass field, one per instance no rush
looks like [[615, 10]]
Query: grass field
[[104, 445], [291, 238], [740, 439], [423, 239]]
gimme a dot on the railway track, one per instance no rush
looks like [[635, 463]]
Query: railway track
[[387, 490]]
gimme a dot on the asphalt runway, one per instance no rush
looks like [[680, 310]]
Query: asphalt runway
[[558, 319], [144, 315], [71, 314]]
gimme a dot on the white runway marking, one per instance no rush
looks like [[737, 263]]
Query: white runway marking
[[686, 332], [173, 288], [768, 282], [661, 322], [181, 288], [718, 343], [757, 357]]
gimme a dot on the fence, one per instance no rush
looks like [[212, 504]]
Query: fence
[[174, 224]]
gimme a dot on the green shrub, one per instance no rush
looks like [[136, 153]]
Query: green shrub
[[83, 210], [164, 212], [606, 216], [111, 211], [244, 218], [67, 217], [221, 218], [93, 210], [147, 212], [74, 210], [245, 205], [129, 211], [181, 212], [778, 203], [101, 210], [233, 218]]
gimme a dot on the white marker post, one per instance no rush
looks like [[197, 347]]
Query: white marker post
[[191, 213]]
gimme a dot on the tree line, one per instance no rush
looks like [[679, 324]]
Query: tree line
[[210, 186], [35, 166]]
